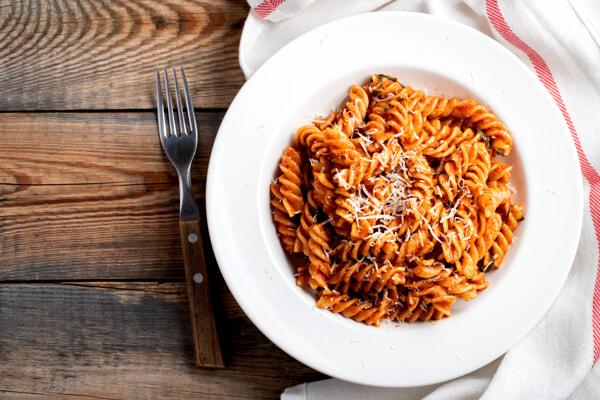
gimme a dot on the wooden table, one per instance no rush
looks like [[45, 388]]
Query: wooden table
[[92, 301]]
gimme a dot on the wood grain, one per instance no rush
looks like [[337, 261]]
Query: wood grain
[[91, 196], [93, 148], [91, 232], [207, 349], [87, 54], [113, 340]]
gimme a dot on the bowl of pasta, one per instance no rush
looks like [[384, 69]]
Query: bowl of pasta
[[382, 209]]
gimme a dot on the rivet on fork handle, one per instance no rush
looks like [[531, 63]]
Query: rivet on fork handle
[[206, 342]]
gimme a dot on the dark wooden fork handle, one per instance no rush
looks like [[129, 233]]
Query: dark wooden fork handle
[[207, 350]]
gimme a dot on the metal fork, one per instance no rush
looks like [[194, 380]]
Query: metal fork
[[179, 140]]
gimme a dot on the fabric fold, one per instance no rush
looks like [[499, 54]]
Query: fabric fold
[[560, 41]]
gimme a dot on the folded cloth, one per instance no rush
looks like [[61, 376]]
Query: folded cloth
[[560, 41], [277, 10]]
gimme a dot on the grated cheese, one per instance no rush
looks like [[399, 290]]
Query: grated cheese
[[362, 145], [338, 175], [453, 210], [367, 139], [429, 227]]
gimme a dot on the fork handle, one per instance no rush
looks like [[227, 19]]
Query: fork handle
[[207, 350]]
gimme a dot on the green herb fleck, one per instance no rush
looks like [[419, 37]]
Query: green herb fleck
[[391, 78], [485, 138], [500, 152]]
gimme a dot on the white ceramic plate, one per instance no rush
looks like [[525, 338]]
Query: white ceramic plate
[[309, 77]]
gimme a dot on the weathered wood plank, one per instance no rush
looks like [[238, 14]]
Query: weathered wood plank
[[92, 232], [88, 54], [98, 148], [92, 196], [129, 341]]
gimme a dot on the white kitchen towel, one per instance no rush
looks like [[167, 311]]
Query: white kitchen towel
[[560, 41]]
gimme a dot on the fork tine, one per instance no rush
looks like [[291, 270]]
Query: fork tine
[[188, 104], [160, 109], [170, 105], [182, 127]]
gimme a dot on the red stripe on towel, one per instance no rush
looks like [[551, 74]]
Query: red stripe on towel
[[589, 173], [266, 7]]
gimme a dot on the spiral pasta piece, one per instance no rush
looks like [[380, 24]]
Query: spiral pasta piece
[[437, 107], [313, 139], [361, 311], [307, 219], [505, 237], [286, 228], [368, 277], [290, 181], [355, 111], [478, 116]]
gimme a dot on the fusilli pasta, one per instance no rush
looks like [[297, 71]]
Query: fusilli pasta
[[397, 203]]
